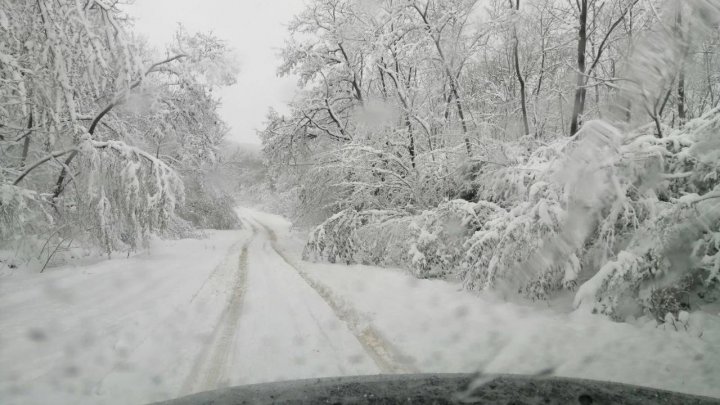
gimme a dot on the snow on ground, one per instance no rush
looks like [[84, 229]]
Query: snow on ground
[[118, 331], [184, 317], [287, 331], [240, 307], [445, 329]]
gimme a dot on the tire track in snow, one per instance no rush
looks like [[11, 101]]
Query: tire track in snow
[[218, 268], [209, 369], [385, 355]]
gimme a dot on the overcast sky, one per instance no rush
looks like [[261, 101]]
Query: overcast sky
[[255, 28]]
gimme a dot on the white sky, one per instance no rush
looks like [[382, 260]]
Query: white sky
[[256, 29]]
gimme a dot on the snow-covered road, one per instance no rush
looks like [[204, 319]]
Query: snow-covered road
[[184, 317], [240, 307]]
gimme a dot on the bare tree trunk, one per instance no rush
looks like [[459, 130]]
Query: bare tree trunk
[[681, 74], [707, 57], [461, 114], [518, 73], [681, 96], [411, 146], [26, 143], [542, 58], [562, 112], [579, 104], [382, 81]]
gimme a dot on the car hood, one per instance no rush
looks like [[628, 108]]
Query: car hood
[[440, 389]]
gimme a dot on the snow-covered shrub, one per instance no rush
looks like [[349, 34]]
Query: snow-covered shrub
[[437, 237], [383, 242], [207, 211], [332, 240], [601, 210], [508, 249], [535, 245], [706, 255], [22, 220], [669, 253], [131, 193], [675, 245], [504, 171], [335, 240], [615, 286], [429, 244], [16, 212], [668, 300], [206, 207], [583, 201]]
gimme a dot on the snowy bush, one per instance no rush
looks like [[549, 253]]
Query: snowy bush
[[17, 215], [22, 219], [383, 242], [668, 300], [336, 239], [674, 247], [619, 218], [207, 207], [131, 193], [429, 244], [437, 237], [207, 211], [508, 248]]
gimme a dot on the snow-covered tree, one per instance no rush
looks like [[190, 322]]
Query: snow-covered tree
[[94, 129], [477, 99]]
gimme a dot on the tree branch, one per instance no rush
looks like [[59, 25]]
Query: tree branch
[[51, 156]]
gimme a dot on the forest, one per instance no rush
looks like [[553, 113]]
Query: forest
[[533, 148]]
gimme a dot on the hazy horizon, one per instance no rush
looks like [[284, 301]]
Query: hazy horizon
[[256, 31]]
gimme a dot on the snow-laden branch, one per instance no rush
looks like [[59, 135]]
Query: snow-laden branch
[[47, 158], [122, 97], [118, 100]]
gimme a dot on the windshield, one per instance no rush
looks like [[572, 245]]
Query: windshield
[[206, 194]]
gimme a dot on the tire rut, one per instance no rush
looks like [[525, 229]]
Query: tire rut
[[385, 355], [209, 369]]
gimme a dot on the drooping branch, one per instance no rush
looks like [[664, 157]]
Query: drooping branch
[[118, 100], [47, 158]]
